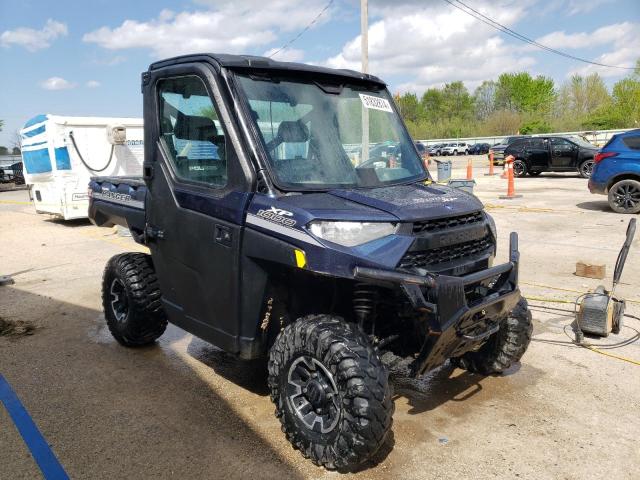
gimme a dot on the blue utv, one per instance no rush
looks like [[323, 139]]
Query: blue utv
[[274, 233]]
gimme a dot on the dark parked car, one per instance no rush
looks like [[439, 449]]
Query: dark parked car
[[616, 172], [479, 149], [498, 148], [535, 155], [12, 173]]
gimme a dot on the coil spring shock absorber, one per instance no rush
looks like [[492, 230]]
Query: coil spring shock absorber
[[364, 302]]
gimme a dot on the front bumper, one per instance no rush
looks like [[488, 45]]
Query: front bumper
[[462, 312]]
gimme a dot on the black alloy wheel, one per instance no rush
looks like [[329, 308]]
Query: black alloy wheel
[[624, 196], [586, 168], [519, 168], [312, 394]]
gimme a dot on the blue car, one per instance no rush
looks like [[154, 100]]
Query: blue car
[[616, 172]]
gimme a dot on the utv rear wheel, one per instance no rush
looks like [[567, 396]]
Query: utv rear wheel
[[131, 300], [331, 391], [505, 347]]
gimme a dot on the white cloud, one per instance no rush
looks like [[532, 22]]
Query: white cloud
[[57, 83], [622, 41], [614, 33], [93, 84], [226, 27], [32, 39], [433, 43]]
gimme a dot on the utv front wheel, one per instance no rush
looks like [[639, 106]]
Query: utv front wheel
[[131, 300], [331, 391], [505, 347]]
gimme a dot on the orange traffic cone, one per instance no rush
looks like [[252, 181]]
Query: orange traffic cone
[[511, 187], [469, 170], [491, 172]]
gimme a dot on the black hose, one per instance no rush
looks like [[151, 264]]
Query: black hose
[[73, 141]]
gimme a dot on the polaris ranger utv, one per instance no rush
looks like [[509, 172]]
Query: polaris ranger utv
[[278, 228]]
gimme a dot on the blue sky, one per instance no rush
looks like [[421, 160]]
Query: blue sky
[[72, 57]]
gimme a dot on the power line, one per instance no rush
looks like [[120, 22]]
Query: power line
[[498, 26], [286, 45]]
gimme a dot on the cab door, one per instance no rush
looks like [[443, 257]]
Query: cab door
[[197, 195], [563, 153], [538, 153]]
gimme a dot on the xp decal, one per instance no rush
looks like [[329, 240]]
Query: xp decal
[[277, 215]]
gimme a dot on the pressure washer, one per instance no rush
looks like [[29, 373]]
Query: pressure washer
[[599, 312]]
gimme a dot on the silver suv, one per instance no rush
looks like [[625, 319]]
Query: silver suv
[[456, 148]]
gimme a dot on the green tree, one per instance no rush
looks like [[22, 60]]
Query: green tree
[[519, 92], [1, 124], [626, 101], [484, 99], [623, 111], [409, 107], [456, 101], [432, 102], [4, 150], [581, 96]]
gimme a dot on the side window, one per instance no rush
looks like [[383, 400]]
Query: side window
[[517, 145], [191, 131], [633, 142], [538, 144], [560, 145]]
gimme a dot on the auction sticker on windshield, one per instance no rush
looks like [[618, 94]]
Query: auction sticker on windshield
[[377, 103]]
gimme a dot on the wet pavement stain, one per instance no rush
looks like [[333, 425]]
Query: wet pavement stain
[[16, 328]]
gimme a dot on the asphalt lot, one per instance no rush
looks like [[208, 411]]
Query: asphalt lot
[[182, 409]]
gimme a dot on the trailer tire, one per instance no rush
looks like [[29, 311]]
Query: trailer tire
[[131, 300], [343, 423], [505, 347]]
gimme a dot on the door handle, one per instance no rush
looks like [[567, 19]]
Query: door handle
[[153, 233], [223, 235]]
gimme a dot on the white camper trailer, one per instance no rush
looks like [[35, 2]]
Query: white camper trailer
[[60, 154]]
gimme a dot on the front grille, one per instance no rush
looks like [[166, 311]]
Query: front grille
[[430, 226], [435, 256]]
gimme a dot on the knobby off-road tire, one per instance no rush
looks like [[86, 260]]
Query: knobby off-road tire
[[505, 347], [132, 301], [357, 418]]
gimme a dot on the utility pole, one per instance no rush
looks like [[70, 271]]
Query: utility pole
[[364, 45]]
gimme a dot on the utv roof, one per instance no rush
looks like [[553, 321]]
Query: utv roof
[[252, 62]]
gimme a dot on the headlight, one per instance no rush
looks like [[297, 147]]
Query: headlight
[[351, 234]]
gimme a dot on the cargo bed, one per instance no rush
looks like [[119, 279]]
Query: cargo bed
[[118, 201]]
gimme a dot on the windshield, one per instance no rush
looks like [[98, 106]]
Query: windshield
[[314, 137], [583, 142]]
